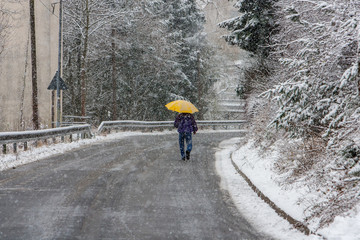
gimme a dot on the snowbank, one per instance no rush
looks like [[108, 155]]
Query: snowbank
[[258, 168]]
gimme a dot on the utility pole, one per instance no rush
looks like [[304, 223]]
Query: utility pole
[[35, 106], [58, 111]]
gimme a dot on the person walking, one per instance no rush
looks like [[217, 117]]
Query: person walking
[[186, 125]]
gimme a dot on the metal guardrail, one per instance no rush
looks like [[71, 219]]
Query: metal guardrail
[[85, 130], [25, 136], [128, 124], [70, 120]]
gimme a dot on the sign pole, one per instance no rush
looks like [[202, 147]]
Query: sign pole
[[59, 70]]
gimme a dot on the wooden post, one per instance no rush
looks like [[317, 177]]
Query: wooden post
[[4, 149], [15, 147], [25, 146]]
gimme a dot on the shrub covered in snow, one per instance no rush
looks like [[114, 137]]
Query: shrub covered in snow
[[312, 95]]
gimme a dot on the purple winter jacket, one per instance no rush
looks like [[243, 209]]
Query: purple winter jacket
[[185, 122]]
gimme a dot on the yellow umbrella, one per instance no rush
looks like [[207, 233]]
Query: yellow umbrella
[[181, 106]]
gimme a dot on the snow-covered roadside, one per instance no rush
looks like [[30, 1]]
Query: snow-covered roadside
[[258, 169]]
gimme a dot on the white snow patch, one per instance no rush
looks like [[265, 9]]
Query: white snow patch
[[344, 227], [258, 169]]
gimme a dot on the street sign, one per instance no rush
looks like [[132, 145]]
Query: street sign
[[52, 85]]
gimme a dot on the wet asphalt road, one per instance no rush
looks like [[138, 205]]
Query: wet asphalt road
[[135, 188]]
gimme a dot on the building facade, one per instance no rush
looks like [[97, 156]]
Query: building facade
[[15, 63]]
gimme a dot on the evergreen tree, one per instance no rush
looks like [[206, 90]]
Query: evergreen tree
[[185, 29], [317, 91], [251, 30]]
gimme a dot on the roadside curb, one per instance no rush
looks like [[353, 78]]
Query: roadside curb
[[297, 224]]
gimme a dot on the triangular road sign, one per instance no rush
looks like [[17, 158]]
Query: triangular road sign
[[52, 85]]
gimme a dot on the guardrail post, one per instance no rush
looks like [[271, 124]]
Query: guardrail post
[[15, 147], [42, 136]]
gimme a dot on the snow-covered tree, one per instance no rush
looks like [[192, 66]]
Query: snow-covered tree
[[184, 24], [138, 58], [251, 30], [313, 95], [318, 49], [316, 90]]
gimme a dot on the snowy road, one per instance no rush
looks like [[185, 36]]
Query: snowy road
[[135, 188]]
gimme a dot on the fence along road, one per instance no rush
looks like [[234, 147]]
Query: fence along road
[[35, 135], [134, 188], [131, 124], [85, 130]]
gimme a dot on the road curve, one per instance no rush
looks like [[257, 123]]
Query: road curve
[[134, 188]]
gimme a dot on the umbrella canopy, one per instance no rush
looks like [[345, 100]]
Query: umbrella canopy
[[181, 106]]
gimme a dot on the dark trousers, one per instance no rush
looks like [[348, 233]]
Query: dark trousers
[[185, 136]]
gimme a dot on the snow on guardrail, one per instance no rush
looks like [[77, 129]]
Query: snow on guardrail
[[108, 125], [33, 135]]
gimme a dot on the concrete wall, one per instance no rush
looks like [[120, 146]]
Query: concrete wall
[[15, 77]]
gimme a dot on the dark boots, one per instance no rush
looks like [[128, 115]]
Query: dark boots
[[187, 155]]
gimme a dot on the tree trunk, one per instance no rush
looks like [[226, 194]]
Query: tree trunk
[[72, 85], [83, 60], [22, 97], [78, 76], [35, 107], [113, 75], [358, 60], [200, 91]]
